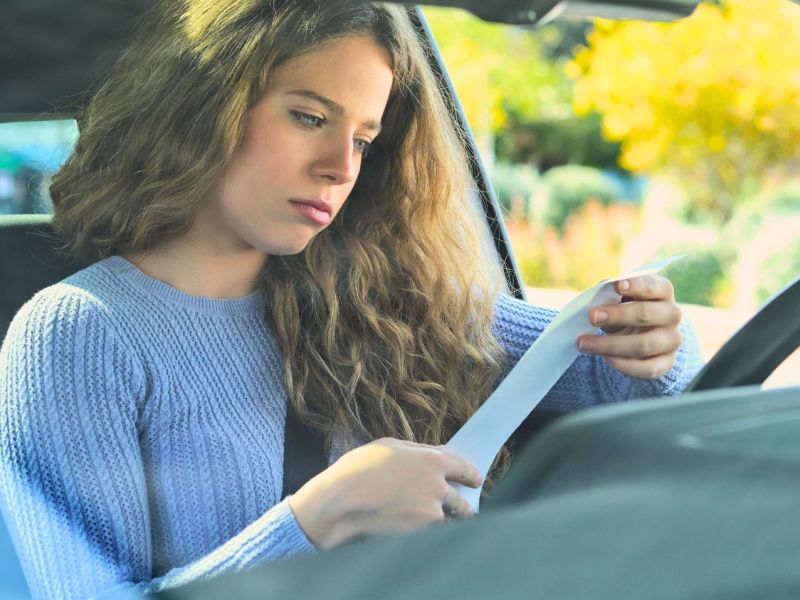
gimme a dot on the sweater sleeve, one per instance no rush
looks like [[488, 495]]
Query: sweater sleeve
[[589, 381], [72, 481]]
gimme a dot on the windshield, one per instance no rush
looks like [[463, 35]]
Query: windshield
[[608, 145], [611, 144]]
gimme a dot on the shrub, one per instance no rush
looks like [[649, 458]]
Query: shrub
[[777, 200], [778, 269], [528, 241], [569, 188], [514, 186], [764, 237], [786, 197], [701, 276], [549, 142], [587, 251]]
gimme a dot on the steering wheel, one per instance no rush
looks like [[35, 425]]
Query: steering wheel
[[758, 347]]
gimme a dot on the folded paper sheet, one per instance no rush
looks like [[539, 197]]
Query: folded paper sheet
[[481, 437]]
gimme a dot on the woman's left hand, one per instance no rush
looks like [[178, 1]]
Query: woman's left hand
[[642, 335]]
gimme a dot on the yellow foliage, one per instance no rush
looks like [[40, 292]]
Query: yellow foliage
[[715, 95], [496, 69]]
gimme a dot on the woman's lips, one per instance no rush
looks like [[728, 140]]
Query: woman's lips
[[316, 211]]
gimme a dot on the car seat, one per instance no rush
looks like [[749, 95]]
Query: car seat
[[31, 258]]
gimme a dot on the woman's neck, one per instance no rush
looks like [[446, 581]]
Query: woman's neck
[[194, 265]]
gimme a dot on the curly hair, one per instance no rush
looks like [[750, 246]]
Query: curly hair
[[385, 319]]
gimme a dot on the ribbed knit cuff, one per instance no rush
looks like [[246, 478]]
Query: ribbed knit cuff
[[274, 536], [294, 535], [688, 363]]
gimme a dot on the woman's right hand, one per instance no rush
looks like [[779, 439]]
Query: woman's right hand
[[385, 486]]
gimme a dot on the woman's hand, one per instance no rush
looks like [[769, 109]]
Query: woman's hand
[[642, 336], [385, 486]]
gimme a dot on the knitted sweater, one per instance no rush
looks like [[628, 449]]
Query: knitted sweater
[[141, 430]]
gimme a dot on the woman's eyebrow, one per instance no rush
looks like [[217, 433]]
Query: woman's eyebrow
[[334, 107]]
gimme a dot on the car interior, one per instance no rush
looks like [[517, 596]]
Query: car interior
[[688, 497]]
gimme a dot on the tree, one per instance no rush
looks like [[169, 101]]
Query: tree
[[500, 70], [712, 99]]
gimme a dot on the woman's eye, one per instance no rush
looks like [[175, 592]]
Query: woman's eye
[[307, 119], [362, 146]]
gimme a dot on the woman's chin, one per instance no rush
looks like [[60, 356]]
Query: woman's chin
[[289, 248]]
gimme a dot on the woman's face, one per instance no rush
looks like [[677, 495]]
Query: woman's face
[[303, 148]]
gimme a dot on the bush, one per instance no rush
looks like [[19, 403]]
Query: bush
[[568, 189], [786, 197], [778, 269], [548, 143], [514, 186], [767, 248], [588, 250], [780, 200], [528, 241], [700, 276]]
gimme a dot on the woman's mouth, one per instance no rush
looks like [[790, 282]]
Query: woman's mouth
[[316, 211]]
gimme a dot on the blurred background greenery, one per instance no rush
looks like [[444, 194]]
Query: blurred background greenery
[[609, 144], [614, 143]]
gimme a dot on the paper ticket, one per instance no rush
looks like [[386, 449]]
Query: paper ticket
[[481, 437]]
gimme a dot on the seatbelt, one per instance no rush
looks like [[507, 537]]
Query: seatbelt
[[304, 453]]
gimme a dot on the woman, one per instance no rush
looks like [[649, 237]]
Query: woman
[[278, 207]]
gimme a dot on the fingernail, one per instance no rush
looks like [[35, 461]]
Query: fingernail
[[624, 285], [585, 345], [600, 316]]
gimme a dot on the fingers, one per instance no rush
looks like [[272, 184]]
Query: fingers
[[648, 344], [454, 467], [385, 485], [645, 287], [643, 330], [649, 368], [454, 504], [636, 314], [459, 470]]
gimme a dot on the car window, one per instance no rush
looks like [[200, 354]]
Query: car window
[[578, 203], [607, 151], [30, 152], [786, 374]]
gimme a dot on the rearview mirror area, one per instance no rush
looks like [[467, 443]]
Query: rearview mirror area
[[533, 12]]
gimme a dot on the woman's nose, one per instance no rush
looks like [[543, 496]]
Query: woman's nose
[[339, 163]]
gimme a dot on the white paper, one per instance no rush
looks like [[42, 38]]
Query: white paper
[[481, 437]]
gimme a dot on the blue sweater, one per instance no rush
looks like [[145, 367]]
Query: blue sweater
[[141, 430]]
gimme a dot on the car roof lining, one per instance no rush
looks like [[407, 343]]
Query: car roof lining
[[48, 78], [53, 58]]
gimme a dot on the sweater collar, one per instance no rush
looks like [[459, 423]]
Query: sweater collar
[[250, 304]]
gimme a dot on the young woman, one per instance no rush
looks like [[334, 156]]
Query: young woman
[[278, 210]]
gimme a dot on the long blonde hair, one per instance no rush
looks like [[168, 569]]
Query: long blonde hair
[[385, 319]]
